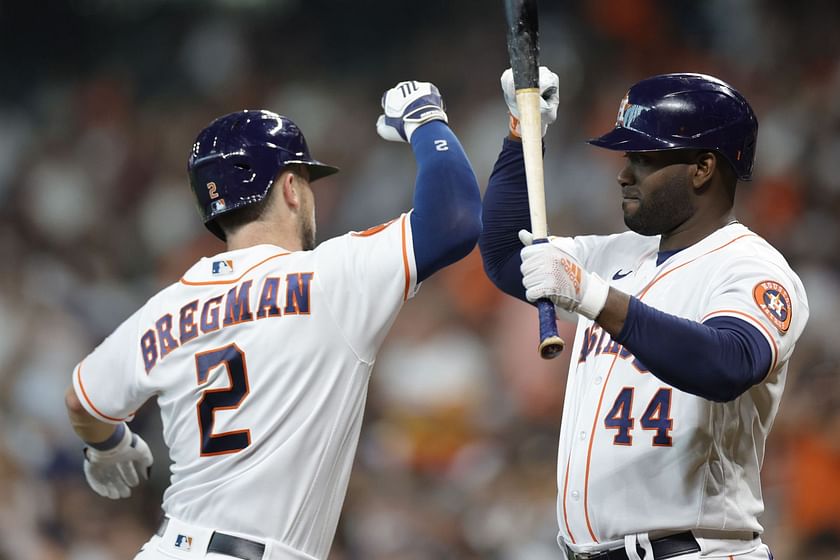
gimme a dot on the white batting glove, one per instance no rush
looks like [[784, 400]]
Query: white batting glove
[[113, 473], [408, 105], [551, 270], [549, 98]]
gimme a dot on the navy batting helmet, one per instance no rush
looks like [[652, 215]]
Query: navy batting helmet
[[679, 111], [235, 160]]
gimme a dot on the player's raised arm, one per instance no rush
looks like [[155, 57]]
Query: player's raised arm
[[505, 208], [446, 219]]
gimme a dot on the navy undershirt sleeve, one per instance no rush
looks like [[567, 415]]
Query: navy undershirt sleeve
[[505, 212], [718, 359], [446, 219]]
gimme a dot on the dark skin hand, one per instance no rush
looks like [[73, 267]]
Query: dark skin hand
[[682, 195]]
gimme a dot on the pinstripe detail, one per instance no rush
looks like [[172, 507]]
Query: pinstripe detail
[[589, 451]]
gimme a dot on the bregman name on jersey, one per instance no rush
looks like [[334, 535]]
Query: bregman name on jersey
[[200, 317]]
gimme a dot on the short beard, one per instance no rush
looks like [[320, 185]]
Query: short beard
[[663, 210], [307, 234]]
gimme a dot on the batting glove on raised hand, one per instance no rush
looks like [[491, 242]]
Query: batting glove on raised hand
[[114, 472], [551, 270], [549, 98], [408, 105]]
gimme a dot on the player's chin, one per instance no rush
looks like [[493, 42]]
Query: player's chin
[[630, 206]]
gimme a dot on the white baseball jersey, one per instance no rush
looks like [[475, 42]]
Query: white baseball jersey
[[637, 455], [259, 359]]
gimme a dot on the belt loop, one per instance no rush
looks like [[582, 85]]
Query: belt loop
[[630, 547], [644, 542]]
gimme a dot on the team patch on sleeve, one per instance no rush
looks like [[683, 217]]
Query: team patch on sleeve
[[773, 300]]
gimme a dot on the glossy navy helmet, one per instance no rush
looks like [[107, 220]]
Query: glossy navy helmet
[[685, 111], [235, 160]]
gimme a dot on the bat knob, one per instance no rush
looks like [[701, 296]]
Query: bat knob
[[551, 347]]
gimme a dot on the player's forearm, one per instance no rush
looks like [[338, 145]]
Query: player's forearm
[[446, 219], [505, 212], [614, 314], [88, 428]]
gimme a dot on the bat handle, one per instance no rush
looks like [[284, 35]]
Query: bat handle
[[551, 345]]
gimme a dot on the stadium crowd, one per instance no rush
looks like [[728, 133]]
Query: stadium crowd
[[457, 456]]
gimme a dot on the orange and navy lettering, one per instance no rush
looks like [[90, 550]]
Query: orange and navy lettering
[[268, 299], [225, 310], [188, 328], [148, 348], [238, 306], [164, 333], [210, 314], [297, 293], [597, 341]]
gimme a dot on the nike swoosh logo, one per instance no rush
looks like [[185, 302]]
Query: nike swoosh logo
[[619, 275]]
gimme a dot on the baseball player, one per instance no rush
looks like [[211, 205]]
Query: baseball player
[[685, 327], [259, 357]]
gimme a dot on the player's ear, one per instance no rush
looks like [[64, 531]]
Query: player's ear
[[706, 163], [291, 188]]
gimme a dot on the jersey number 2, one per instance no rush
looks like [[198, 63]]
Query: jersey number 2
[[233, 359], [657, 417]]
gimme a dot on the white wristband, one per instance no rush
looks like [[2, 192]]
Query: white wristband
[[594, 298]]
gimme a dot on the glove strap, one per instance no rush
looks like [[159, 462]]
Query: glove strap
[[594, 298], [112, 441]]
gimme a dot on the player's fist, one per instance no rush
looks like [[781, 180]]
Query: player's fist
[[113, 473], [549, 98], [551, 270], [406, 106]]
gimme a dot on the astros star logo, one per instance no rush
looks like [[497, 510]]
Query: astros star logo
[[775, 303]]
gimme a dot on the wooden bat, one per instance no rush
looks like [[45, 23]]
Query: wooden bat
[[523, 49]]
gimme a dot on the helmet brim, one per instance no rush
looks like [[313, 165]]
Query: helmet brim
[[317, 169], [628, 140]]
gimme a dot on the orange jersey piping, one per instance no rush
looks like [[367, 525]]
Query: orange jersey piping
[[235, 280], [406, 268], [755, 321], [667, 272], [609, 373], [87, 399]]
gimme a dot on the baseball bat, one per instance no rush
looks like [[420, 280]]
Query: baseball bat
[[523, 49]]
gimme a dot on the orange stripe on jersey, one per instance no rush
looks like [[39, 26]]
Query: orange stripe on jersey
[[85, 395], [406, 268], [235, 280], [603, 389], [565, 493], [373, 230], [666, 273], [775, 348], [589, 451]]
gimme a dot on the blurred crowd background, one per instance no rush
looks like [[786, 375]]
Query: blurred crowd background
[[99, 104]]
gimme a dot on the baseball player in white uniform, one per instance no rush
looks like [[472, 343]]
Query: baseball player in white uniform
[[259, 357], [685, 327]]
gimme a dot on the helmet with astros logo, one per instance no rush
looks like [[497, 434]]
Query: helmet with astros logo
[[686, 111]]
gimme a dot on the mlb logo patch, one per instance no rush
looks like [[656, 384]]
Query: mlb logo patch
[[218, 205], [183, 542], [221, 268]]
